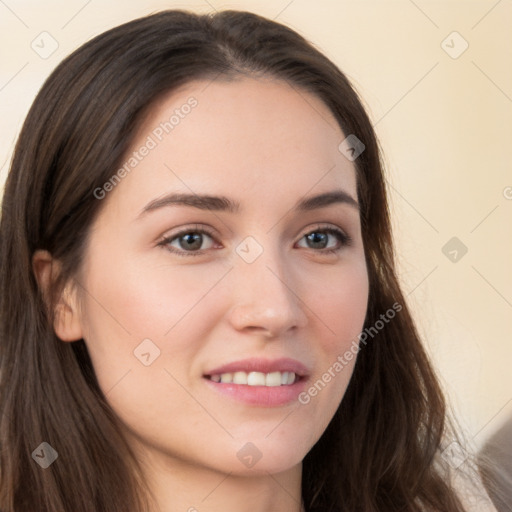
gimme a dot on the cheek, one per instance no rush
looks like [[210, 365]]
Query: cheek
[[160, 315], [153, 301], [129, 301], [340, 303]]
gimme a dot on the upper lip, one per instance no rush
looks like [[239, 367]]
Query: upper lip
[[284, 364]]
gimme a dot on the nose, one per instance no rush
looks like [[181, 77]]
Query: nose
[[266, 297]]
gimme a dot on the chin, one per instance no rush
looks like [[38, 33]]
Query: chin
[[261, 456]]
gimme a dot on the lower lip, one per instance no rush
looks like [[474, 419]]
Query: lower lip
[[263, 396]]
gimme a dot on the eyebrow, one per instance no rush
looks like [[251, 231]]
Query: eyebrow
[[224, 204]]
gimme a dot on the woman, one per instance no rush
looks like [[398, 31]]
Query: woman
[[199, 304]]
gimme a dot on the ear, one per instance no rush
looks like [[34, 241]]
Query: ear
[[66, 323]]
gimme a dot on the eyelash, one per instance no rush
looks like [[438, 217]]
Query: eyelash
[[344, 240]]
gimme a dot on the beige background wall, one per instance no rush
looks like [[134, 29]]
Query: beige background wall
[[444, 117]]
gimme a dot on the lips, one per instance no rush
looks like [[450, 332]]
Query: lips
[[259, 381]]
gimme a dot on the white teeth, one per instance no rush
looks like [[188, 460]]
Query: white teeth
[[226, 378], [272, 379], [256, 379], [240, 378]]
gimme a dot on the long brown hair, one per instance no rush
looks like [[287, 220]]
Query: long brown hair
[[381, 450]]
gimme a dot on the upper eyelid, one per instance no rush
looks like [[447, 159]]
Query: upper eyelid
[[213, 232], [190, 229]]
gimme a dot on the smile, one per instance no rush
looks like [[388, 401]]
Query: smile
[[259, 382], [272, 379]]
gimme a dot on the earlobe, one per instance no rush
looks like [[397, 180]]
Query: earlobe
[[66, 322]]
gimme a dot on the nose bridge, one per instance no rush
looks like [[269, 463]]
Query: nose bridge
[[265, 295]]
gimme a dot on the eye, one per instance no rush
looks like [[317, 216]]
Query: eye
[[325, 240], [191, 241]]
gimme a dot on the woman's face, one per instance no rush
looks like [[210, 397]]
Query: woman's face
[[219, 296]]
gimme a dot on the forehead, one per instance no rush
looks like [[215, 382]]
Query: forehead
[[252, 138]]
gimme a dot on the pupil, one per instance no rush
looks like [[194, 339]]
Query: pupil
[[192, 240], [320, 239]]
